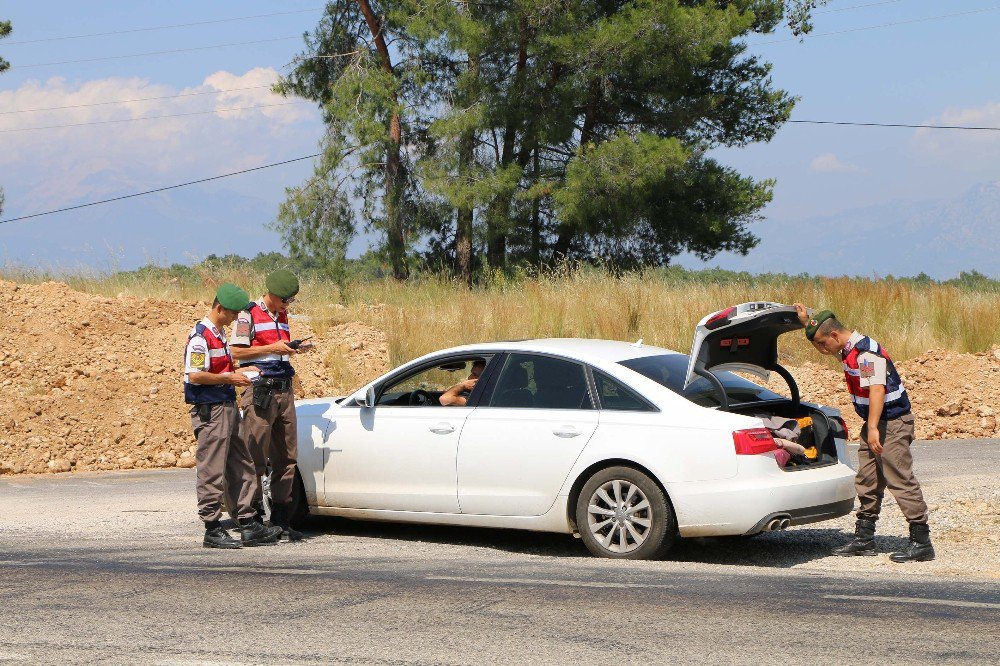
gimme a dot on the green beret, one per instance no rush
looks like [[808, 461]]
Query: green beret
[[232, 297], [282, 283], [814, 322]]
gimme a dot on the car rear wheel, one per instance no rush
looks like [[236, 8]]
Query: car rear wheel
[[621, 513]]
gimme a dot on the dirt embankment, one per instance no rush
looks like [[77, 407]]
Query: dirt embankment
[[94, 383], [953, 395]]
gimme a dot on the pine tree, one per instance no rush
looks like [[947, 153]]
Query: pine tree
[[347, 67], [538, 131]]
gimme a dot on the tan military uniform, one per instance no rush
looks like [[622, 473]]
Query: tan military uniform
[[892, 470], [223, 454], [271, 434], [222, 457]]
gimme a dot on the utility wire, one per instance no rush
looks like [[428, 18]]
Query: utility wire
[[307, 157], [169, 115], [853, 124], [161, 189], [881, 25], [128, 101], [155, 53], [847, 9], [161, 27]]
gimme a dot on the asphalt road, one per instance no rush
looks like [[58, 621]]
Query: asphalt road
[[106, 568]]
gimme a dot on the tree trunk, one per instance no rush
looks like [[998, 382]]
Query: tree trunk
[[394, 177], [565, 233], [496, 237], [463, 229], [536, 222]]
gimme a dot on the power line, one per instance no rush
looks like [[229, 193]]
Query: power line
[[161, 27], [156, 53], [854, 124], [161, 189], [169, 115], [847, 9], [881, 25], [127, 101]]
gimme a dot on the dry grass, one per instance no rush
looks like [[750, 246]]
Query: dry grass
[[433, 312], [426, 315]]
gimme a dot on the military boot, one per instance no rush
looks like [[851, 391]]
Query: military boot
[[217, 537], [920, 548], [864, 540], [280, 519], [253, 533]]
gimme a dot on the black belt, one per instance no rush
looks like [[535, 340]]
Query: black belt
[[275, 383]]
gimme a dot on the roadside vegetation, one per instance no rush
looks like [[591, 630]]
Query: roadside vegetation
[[434, 310]]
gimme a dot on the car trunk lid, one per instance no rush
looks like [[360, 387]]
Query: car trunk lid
[[742, 338]]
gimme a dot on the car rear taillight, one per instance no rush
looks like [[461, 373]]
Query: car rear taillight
[[753, 441], [843, 424], [720, 318]]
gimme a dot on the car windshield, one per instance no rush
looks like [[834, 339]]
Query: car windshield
[[669, 370]]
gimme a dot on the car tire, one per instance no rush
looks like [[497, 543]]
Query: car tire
[[623, 514]]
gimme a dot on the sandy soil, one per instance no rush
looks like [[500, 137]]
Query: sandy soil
[[94, 383]]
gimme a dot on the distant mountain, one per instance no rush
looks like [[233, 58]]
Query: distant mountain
[[939, 238]]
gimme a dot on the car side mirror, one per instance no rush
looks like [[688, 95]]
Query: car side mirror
[[370, 397]]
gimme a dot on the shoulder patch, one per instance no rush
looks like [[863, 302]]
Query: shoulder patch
[[866, 368], [242, 328], [197, 359]]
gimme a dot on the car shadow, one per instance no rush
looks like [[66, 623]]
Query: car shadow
[[770, 549], [505, 540]]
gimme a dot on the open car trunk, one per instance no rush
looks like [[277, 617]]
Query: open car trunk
[[822, 433], [744, 338]]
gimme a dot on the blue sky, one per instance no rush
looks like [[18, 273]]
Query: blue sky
[[940, 71]]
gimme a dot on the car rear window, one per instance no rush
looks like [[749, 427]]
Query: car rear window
[[669, 370]]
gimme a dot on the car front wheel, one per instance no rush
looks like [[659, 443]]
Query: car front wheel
[[621, 513]]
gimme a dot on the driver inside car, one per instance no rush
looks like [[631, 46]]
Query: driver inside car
[[458, 395]]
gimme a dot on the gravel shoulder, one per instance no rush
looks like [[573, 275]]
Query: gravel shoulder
[[149, 516]]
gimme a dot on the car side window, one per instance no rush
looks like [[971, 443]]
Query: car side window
[[425, 387], [614, 395], [541, 382]]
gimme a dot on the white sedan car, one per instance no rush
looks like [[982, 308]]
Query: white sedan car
[[623, 444]]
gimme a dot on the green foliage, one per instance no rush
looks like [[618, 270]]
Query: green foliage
[[316, 225], [5, 30], [974, 281], [539, 132]]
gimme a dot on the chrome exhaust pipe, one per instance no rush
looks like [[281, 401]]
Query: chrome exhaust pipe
[[785, 522], [773, 525]]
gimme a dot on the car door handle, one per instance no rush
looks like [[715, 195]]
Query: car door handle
[[566, 431], [443, 428]]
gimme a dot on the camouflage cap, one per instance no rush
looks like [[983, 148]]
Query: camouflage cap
[[232, 297], [282, 283], [814, 322]]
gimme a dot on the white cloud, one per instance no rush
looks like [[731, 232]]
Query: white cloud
[[961, 149], [52, 167], [830, 163]]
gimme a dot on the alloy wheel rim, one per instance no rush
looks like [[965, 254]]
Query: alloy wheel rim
[[619, 516]]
